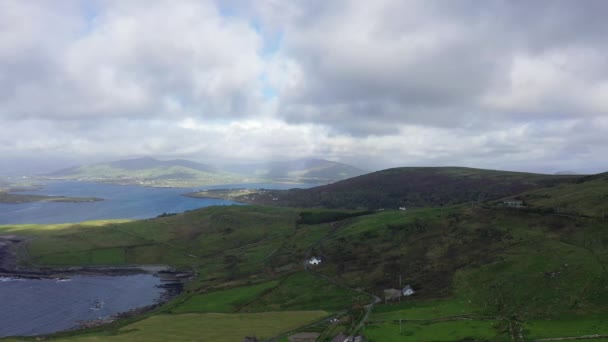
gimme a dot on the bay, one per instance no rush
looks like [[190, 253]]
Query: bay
[[120, 202], [43, 306]]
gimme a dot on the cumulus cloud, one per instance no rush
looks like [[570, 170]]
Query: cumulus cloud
[[128, 59], [386, 63], [504, 84]]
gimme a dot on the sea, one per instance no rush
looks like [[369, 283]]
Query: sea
[[41, 306], [119, 202]]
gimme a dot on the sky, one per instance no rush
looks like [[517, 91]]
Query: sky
[[511, 84]]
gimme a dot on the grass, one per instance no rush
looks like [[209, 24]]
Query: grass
[[423, 310], [482, 263], [224, 301], [215, 327], [567, 326], [588, 196], [434, 331], [303, 291]]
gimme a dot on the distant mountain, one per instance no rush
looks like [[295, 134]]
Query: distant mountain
[[184, 173], [318, 171], [138, 164], [567, 173], [152, 172], [412, 187]]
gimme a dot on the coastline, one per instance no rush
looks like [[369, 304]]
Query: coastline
[[171, 281], [8, 197]]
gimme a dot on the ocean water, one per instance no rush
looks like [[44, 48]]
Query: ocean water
[[34, 307], [120, 202]]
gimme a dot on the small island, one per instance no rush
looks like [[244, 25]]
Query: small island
[[8, 197]]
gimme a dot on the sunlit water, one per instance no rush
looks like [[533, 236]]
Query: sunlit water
[[120, 201], [33, 307]]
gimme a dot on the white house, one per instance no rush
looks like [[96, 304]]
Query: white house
[[314, 261], [407, 290], [402, 208]]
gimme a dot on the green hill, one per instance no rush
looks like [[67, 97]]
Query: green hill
[[586, 196], [411, 187], [478, 274]]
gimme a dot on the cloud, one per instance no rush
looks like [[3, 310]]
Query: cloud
[[131, 59], [430, 63], [500, 84]]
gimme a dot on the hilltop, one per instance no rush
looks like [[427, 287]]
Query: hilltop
[[407, 187], [310, 170], [184, 173], [151, 172]]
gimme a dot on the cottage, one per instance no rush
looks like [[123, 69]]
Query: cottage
[[402, 208], [407, 291], [513, 203], [314, 261]]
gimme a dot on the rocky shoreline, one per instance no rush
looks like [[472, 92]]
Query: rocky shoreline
[[172, 281]]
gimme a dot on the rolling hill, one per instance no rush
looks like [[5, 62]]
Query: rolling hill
[[184, 173], [318, 171], [586, 196], [152, 172], [478, 274], [410, 187]]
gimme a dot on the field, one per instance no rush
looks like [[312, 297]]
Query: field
[[480, 273], [207, 327], [224, 301], [434, 331]]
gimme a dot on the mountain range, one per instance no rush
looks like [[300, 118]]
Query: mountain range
[[185, 173]]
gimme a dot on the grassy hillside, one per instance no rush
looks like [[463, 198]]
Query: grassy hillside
[[410, 187], [586, 196], [479, 274]]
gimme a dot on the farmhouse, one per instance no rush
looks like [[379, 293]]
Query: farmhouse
[[407, 291], [513, 203], [314, 261]]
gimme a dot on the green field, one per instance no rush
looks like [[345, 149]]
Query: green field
[[471, 330], [215, 327], [570, 326], [224, 301], [423, 310]]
